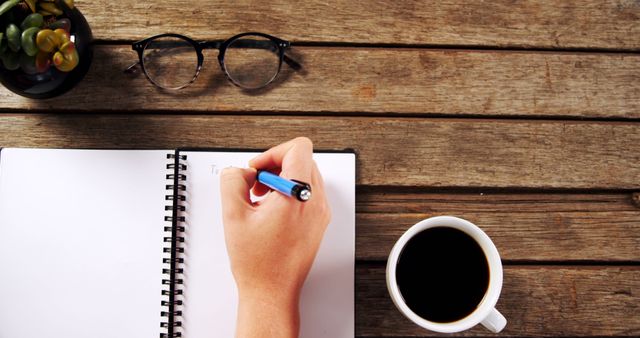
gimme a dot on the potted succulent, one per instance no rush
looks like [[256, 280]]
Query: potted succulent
[[45, 46]]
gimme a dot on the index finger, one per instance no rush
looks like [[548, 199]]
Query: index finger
[[294, 158]]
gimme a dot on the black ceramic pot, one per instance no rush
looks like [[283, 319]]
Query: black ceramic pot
[[53, 82]]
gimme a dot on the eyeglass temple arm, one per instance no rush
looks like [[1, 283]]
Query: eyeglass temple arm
[[132, 68], [295, 65]]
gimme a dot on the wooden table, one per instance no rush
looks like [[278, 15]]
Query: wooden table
[[523, 117]]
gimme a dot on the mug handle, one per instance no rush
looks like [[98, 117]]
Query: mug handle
[[495, 321]]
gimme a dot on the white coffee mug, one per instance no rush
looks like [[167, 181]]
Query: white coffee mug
[[485, 313]]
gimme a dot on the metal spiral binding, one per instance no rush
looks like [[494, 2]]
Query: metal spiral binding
[[175, 183]]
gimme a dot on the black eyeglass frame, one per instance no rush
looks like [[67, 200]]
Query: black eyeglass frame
[[221, 45]]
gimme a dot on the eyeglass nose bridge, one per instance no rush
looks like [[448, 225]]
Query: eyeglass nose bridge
[[224, 69], [200, 63]]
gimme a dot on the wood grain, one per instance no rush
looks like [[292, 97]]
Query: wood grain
[[537, 302], [366, 80], [391, 151], [612, 24], [524, 227]]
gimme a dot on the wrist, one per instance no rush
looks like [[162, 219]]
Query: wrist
[[277, 297], [267, 314], [281, 289]]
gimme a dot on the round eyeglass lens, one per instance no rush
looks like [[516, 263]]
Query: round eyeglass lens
[[252, 61], [170, 62]]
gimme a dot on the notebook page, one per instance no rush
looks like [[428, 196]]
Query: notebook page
[[81, 242], [327, 301]]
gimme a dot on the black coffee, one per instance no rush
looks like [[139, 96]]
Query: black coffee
[[442, 274]]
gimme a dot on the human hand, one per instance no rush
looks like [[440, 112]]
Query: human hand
[[272, 244]]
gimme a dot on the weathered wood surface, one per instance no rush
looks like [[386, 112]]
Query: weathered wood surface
[[370, 80], [368, 84], [612, 24], [552, 301], [525, 227], [391, 151]]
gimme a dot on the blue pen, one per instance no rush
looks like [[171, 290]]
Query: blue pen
[[293, 188]]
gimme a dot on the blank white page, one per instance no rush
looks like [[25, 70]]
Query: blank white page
[[81, 243], [210, 299]]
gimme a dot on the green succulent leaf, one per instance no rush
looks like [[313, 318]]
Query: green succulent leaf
[[7, 5], [3, 45], [11, 60], [28, 41], [13, 37], [32, 20]]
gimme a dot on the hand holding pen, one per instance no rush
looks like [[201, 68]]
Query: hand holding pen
[[272, 244], [289, 187]]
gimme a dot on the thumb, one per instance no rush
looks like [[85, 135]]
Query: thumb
[[235, 184]]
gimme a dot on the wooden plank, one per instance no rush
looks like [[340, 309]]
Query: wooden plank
[[537, 302], [610, 24], [524, 227], [391, 151], [357, 80]]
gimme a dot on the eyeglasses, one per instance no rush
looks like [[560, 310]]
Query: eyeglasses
[[249, 60]]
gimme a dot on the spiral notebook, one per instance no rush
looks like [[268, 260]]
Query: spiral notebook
[[129, 243]]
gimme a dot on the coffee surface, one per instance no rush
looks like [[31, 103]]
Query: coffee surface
[[442, 274]]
